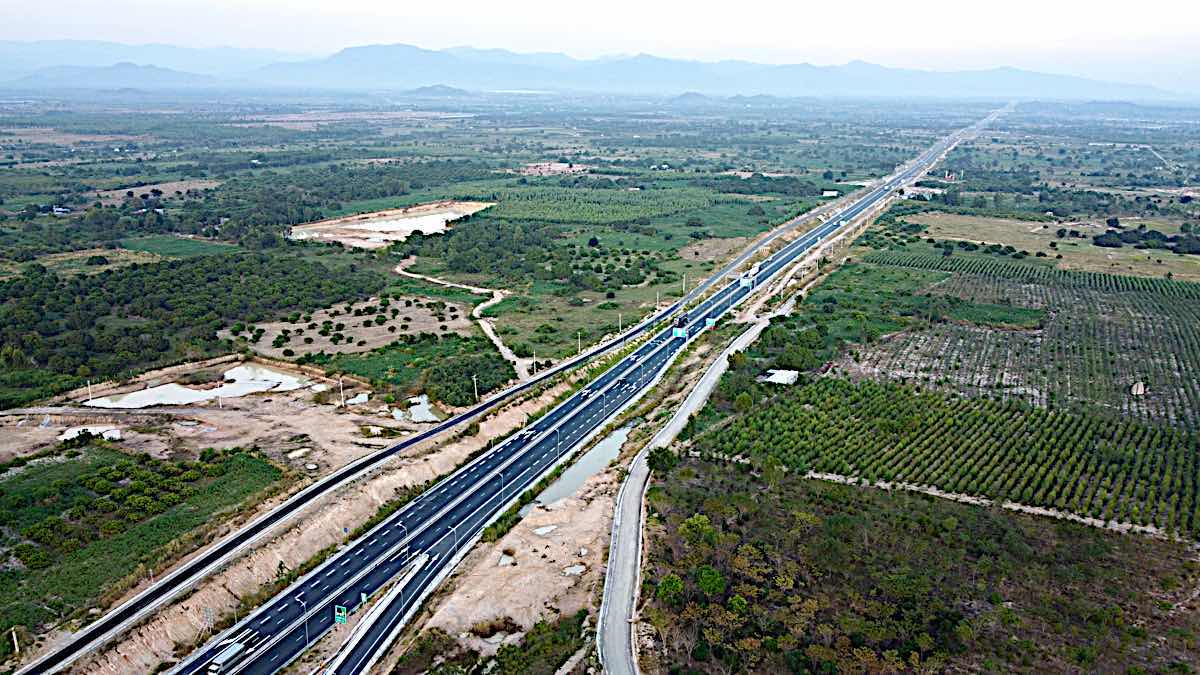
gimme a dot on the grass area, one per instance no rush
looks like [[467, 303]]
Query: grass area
[[82, 522], [170, 246], [776, 574], [88, 261], [440, 366]]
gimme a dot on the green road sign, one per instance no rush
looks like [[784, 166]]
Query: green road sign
[[340, 614]]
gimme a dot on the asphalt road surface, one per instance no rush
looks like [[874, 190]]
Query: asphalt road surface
[[446, 519], [614, 635]]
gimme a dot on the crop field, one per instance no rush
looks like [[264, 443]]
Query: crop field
[[1092, 347], [1101, 335], [1105, 468], [1077, 253], [1037, 273], [169, 246]]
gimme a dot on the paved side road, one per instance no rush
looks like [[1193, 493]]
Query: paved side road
[[623, 579]]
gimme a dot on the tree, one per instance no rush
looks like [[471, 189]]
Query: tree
[[743, 403], [697, 529], [670, 589], [662, 460], [710, 580], [593, 242]]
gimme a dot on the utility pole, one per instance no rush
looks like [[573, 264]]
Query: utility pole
[[89, 398], [656, 300], [620, 326], [341, 391], [685, 283], [16, 645], [300, 599]]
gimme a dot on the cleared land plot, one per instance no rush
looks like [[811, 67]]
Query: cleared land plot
[[353, 327], [168, 189], [170, 246], [52, 136], [378, 229], [1077, 254]]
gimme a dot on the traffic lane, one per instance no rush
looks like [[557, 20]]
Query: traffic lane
[[460, 516], [709, 308]]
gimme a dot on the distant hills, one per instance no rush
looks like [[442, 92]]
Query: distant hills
[[398, 67]]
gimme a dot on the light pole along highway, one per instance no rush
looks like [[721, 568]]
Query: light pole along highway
[[446, 520], [217, 555]]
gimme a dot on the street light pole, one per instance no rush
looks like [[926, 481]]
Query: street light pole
[[300, 599], [475, 383], [578, 342]]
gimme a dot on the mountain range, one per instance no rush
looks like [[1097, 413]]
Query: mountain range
[[395, 67]]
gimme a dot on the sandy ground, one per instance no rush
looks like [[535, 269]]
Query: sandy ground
[[550, 564], [357, 231], [420, 317], [183, 622], [290, 427], [108, 197], [552, 169]]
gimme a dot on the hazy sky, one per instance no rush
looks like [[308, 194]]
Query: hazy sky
[[1153, 40]]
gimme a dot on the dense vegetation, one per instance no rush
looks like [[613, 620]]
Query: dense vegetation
[[441, 366], [777, 574], [56, 331], [80, 524]]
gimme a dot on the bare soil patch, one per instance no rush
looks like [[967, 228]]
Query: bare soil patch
[[716, 250], [552, 169], [380, 228], [52, 136], [109, 197]]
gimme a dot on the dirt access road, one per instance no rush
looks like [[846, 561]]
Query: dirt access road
[[486, 325]]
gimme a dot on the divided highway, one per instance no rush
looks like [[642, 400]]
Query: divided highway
[[614, 634], [446, 520]]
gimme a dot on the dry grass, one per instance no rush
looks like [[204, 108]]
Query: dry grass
[[109, 197]]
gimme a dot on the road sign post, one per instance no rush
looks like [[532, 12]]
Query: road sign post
[[340, 614]]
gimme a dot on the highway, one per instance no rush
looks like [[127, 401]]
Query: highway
[[444, 521], [184, 577], [622, 583]]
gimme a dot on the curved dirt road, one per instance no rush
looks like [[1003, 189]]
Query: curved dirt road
[[521, 365]]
